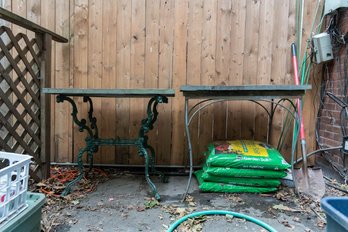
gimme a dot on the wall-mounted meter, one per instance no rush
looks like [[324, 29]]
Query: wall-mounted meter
[[345, 145], [322, 47], [332, 5]]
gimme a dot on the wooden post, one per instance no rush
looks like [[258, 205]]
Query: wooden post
[[45, 81]]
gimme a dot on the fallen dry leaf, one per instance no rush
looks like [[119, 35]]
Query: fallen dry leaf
[[287, 224], [321, 224], [285, 208], [192, 204], [140, 208], [235, 199]]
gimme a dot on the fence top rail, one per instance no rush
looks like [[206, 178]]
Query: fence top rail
[[20, 21]]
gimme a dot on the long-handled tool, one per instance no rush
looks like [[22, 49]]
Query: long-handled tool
[[309, 181]]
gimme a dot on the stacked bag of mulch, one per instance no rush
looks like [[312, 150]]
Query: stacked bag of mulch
[[241, 166]]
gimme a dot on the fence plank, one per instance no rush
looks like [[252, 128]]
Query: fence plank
[[208, 69], [80, 68], [251, 38], [62, 124], [107, 119], [33, 13], [152, 20], [193, 74], [178, 153], [264, 61], [234, 116], [45, 104], [137, 50], [123, 67], [223, 47], [95, 62], [278, 70], [165, 74]]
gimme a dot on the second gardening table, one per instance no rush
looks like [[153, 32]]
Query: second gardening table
[[208, 95]]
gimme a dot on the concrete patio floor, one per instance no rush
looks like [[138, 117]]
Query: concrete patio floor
[[119, 205]]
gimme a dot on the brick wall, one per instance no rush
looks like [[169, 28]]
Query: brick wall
[[334, 81]]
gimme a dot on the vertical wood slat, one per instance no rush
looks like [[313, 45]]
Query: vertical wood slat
[[19, 7], [123, 69], [234, 116], [62, 124], [178, 154], [80, 68], [251, 38], [222, 73], [279, 48], [193, 71], [289, 77], [33, 13], [95, 64], [165, 72], [208, 69], [48, 22], [46, 43], [137, 56], [264, 69], [108, 78], [175, 49], [152, 30], [312, 98]]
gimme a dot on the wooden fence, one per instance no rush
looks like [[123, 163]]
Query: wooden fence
[[166, 44]]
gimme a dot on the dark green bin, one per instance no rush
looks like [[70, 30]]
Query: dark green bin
[[30, 219]]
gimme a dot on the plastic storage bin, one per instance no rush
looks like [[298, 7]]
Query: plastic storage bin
[[336, 210], [14, 172], [28, 220]]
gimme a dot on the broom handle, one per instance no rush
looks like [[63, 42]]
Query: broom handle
[[297, 82], [299, 109]]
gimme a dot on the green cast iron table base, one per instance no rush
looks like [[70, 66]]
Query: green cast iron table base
[[93, 141]]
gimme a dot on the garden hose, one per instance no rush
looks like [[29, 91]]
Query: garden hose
[[220, 212]]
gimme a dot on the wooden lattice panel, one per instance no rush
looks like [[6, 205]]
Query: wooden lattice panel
[[19, 94]]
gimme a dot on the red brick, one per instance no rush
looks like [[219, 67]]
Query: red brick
[[329, 129]]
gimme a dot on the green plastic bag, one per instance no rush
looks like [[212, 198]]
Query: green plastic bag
[[228, 188], [241, 181], [245, 154], [244, 173]]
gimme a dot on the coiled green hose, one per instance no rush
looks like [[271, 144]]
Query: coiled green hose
[[220, 212]]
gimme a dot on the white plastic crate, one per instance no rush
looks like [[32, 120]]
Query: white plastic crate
[[14, 172]]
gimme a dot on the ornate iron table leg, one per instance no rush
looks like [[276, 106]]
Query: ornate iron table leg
[[146, 126], [152, 159], [91, 140], [188, 138]]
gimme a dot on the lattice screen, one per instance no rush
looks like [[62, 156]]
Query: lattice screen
[[19, 94]]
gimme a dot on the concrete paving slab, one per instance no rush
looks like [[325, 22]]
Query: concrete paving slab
[[118, 205]]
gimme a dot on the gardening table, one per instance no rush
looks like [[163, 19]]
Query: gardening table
[[93, 141], [255, 93]]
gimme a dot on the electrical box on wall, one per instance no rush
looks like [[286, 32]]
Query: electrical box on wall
[[322, 47], [332, 5], [345, 145]]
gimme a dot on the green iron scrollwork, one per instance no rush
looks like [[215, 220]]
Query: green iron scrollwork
[[93, 141]]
